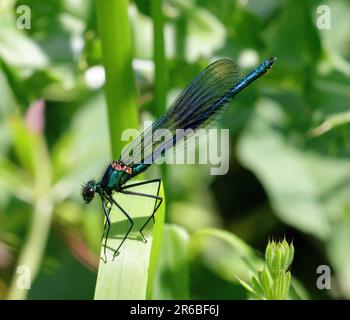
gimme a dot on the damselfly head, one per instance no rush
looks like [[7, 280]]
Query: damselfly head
[[88, 191]]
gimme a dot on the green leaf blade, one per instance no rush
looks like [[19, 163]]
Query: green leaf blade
[[127, 276]]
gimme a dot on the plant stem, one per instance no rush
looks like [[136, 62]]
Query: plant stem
[[115, 35], [159, 57], [31, 150], [33, 249], [160, 78]]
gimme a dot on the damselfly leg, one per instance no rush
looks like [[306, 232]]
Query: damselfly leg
[[108, 201], [158, 199], [107, 211], [107, 223], [111, 199]]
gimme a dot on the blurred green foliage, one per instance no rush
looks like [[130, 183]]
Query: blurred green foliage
[[289, 165]]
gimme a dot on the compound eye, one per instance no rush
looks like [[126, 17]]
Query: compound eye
[[90, 192]]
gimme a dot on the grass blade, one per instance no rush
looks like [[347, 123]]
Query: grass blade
[[128, 276]]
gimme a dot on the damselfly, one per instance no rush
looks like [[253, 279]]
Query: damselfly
[[202, 101]]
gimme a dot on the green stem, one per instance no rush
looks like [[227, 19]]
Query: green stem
[[160, 75], [32, 154], [115, 35], [34, 248], [159, 57]]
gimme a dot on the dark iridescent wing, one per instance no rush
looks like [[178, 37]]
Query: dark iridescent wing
[[199, 103]]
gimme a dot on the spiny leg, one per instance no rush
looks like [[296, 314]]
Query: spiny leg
[[143, 183], [108, 223], [148, 182], [158, 199], [108, 212], [111, 199], [156, 206]]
